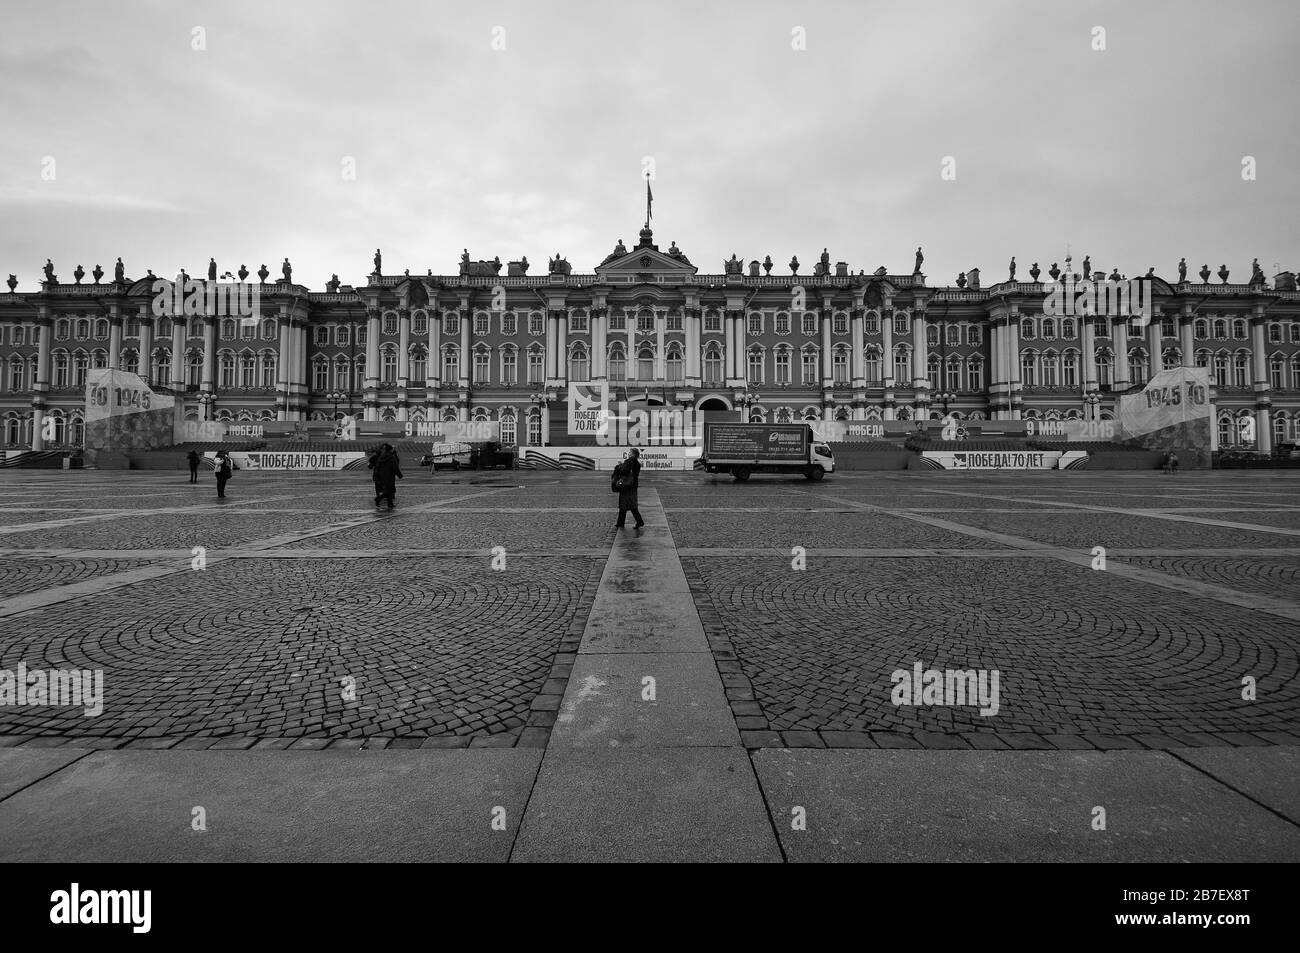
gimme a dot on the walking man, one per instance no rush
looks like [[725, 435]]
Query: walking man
[[193, 458], [627, 476], [224, 469], [388, 470]]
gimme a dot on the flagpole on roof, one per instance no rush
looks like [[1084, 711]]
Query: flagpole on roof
[[649, 197]]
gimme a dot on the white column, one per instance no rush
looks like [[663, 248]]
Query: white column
[[1120, 336], [661, 361], [887, 358], [1089, 346], [562, 346], [209, 355], [146, 344], [599, 326], [1186, 343], [466, 358], [1013, 370], [433, 370], [1154, 342], [115, 343], [693, 337], [552, 334], [41, 386], [179, 330], [920, 351], [629, 322], [857, 365], [404, 348], [372, 365], [826, 348], [1259, 363]]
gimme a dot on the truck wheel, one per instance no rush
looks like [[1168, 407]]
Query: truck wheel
[[815, 472], [741, 474]]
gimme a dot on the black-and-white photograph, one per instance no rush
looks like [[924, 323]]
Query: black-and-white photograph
[[575, 432]]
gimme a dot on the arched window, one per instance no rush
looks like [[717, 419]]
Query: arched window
[[534, 428], [83, 330], [1240, 369], [1105, 361], [482, 364], [419, 363], [1227, 432], [322, 335], [99, 358], [975, 374], [932, 370], [390, 322], [952, 334], [61, 369], [1048, 366], [80, 365], [268, 370], [101, 329], [1067, 328], [320, 374], [227, 378], [1049, 328], [536, 364], [1221, 369], [62, 328], [162, 362], [1202, 358], [509, 364], [228, 332], [872, 365], [1137, 365], [16, 375], [932, 336], [1201, 328], [712, 365], [782, 358], [1220, 328], [808, 366], [342, 380], [194, 367], [508, 431], [902, 365], [871, 323], [645, 364], [618, 363], [1239, 329], [1172, 357], [268, 329], [953, 371], [674, 365], [755, 365], [1279, 428], [840, 365], [1029, 368], [388, 363], [1027, 329], [579, 363]]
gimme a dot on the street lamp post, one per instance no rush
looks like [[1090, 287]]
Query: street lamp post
[[206, 399], [945, 397], [1092, 398], [336, 396]]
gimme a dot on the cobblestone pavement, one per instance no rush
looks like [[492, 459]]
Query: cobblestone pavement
[[1086, 658], [308, 590], [316, 620]]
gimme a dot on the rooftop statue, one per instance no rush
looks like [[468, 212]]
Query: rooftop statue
[[119, 271], [767, 264], [79, 274], [734, 266], [332, 286], [919, 259], [620, 248], [961, 279], [243, 272], [1223, 273], [1256, 273], [287, 270], [49, 272], [1087, 267], [1115, 275], [379, 262], [1035, 271], [263, 273], [1012, 276], [1205, 274], [794, 265], [1182, 270], [99, 273], [150, 276], [212, 269], [13, 283], [1054, 271]]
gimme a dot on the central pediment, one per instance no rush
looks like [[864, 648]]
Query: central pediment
[[645, 258]]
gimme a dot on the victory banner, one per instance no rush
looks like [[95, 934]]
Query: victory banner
[[124, 413], [1173, 410], [588, 408]]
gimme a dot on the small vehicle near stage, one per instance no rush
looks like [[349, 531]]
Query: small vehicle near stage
[[449, 456], [490, 455], [745, 448]]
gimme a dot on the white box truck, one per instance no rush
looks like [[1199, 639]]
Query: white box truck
[[741, 449]]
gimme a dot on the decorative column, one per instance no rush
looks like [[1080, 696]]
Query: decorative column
[[694, 339], [552, 339], [282, 373], [661, 359], [599, 329], [857, 365], [41, 386], [996, 361], [403, 348], [562, 345], [371, 397], [887, 359], [1089, 353], [209, 354], [1119, 336], [433, 369], [179, 331], [629, 323], [1186, 343], [466, 318], [827, 366], [1263, 402], [1013, 364], [1155, 341], [146, 344], [114, 339]]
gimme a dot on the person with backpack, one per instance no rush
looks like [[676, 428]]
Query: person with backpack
[[224, 470], [624, 482]]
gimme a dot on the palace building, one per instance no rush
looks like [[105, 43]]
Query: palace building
[[482, 345]]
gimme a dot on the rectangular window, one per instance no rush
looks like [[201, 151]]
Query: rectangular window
[[645, 322], [536, 324], [782, 366], [756, 367], [810, 323], [976, 376], [578, 323], [481, 324], [871, 324], [482, 364], [900, 324], [783, 323], [451, 323], [808, 367], [953, 335], [841, 324], [535, 367], [617, 322], [420, 323], [342, 335], [509, 323], [973, 335], [617, 366], [756, 323], [450, 367], [713, 321], [390, 323], [840, 366], [675, 321], [509, 368]]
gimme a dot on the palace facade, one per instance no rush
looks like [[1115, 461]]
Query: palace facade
[[490, 346]]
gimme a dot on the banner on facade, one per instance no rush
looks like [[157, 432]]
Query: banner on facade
[[588, 408], [202, 431], [1005, 459], [1173, 410], [606, 458], [455, 431], [294, 460], [124, 413]]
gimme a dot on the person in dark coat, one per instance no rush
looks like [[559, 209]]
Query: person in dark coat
[[193, 458], [224, 469], [387, 471], [631, 467]]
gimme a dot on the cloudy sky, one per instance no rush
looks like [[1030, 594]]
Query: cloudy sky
[[120, 138]]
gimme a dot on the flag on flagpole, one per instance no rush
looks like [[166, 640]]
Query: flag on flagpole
[[649, 198]]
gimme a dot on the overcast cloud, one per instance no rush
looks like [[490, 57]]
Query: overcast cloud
[[166, 155]]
